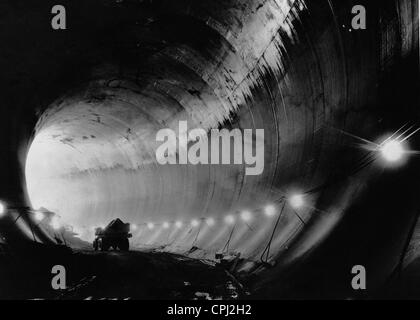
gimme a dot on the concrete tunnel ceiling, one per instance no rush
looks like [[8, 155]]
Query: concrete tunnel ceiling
[[275, 65]]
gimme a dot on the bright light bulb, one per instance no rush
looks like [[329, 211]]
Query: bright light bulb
[[194, 223], [296, 201], [246, 216], [210, 221], [150, 225], [270, 210], [133, 227], [55, 224], [39, 216], [392, 151], [230, 219], [178, 224], [2, 209], [165, 225]]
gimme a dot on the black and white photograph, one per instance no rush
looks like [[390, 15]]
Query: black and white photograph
[[209, 154]]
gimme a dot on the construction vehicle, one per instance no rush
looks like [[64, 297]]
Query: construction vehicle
[[115, 235]]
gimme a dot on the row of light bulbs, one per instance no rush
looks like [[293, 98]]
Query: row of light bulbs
[[296, 201]]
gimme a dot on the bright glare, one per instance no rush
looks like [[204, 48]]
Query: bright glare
[[178, 224], [296, 201], [230, 219], [150, 225], [194, 223], [269, 210], [392, 151], [210, 221], [55, 224], [46, 160], [39, 216], [246, 216], [165, 225], [2, 209], [133, 227]]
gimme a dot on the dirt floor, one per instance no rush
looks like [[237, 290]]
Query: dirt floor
[[114, 275]]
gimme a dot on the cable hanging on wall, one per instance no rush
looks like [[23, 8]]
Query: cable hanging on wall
[[266, 252], [226, 246]]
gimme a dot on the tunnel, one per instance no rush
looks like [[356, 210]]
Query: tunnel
[[82, 110]]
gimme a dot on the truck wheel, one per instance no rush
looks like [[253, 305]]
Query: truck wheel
[[124, 245], [104, 246]]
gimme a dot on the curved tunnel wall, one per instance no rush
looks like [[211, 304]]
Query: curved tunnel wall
[[292, 68]]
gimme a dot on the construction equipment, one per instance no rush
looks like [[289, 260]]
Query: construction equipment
[[115, 235]]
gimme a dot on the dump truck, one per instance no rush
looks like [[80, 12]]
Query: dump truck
[[115, 235]]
